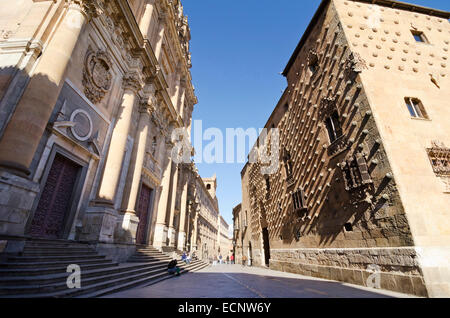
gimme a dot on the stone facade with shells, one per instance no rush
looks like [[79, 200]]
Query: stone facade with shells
[[90, 92], [362, 189]]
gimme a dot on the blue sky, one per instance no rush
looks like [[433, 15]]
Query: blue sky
[[239, 47]]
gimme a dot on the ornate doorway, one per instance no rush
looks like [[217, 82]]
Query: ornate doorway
[[51, 214], [143, 213]]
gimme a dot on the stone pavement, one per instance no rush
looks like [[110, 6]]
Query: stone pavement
[[235, 281]]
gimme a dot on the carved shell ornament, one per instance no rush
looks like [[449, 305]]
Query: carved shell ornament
[[97, 77]]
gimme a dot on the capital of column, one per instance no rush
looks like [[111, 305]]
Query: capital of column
[[131, 82], [89, 8], [183, 82], [162, 19], [146, 107]]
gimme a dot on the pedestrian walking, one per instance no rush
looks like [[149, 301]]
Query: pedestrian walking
[[232, 258], [244, 260], [228, 259]]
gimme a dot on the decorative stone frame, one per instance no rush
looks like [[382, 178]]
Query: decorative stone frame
[[354, 65], [327, 108], [313, 61], [97, 77], [73, 128], [355, 172], [439, 156]]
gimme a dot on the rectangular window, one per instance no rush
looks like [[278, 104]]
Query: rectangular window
[[298, 199], [415, 108], [333, 127], [419, 36]]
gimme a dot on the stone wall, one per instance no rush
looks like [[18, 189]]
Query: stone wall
[[398, 267]]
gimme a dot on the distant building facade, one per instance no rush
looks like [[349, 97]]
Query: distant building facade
[[223, 239], [205, 221], [362, 190]]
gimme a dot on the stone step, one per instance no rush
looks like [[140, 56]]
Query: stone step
[[149, 252], [127, 285], [146, 260], [71, 258], [152, 255], [151, 258], [13, 272], [142, 284], [50, 244], [57, 277], [46, 253], [106, 284], [28, 249], [45, 265], [99, 278], [130, 280]]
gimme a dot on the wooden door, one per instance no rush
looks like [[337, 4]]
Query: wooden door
[[51, 214], [143, 214]]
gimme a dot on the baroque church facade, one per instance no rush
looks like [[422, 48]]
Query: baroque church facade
[[90, 92]]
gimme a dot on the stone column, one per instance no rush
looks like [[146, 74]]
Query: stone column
[[176, 94], [116, 153], [183, 84], [160, 227], [182, 229], [26, 127], [24, 131], [194, 232], [172, 230], [130, 220], [146, 20], [161, 30], [101, 218]]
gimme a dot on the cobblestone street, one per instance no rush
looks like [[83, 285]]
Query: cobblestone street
[[235, 281]]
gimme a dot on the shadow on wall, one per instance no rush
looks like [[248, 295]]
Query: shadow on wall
[[13, 84]]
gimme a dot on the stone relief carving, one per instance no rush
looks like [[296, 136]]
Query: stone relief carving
[[339, 145], [5, 34], [97, 77], [354, 65], [327, 107], [313, 57], [131, 81]]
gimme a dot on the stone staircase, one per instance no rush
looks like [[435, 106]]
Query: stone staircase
[[41, 270]]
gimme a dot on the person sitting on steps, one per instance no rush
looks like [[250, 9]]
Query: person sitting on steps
[[172, 267]]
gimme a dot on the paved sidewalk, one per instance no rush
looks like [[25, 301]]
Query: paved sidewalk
[[235, 281]]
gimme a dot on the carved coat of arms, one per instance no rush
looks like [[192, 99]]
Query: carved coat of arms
[[97, 77]]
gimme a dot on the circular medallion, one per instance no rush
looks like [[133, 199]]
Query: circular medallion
[[82, 130]]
